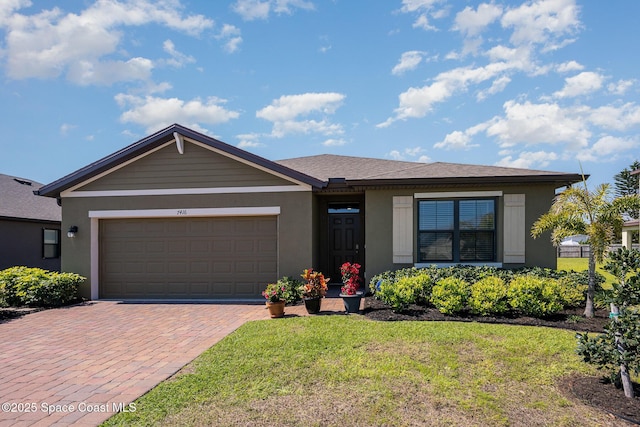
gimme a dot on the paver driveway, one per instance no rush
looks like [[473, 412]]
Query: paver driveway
[[102, 353], [98, 357]]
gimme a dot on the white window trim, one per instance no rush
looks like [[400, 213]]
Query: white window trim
[[95, 217], [457, 195]]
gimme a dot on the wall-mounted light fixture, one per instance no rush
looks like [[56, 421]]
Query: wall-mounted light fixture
[[72, 231]]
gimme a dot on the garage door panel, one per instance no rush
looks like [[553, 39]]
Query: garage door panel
[[187, 258]]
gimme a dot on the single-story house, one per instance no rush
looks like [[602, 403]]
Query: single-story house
[[181, 215], [29, 226]]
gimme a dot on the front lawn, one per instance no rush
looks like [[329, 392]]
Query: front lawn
[[350, 371], [582, 264]]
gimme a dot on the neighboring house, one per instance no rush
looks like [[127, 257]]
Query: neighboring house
[[578, 239], [29, 226], [180, 215]]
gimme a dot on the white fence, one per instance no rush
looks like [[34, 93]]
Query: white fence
[[582, 251]]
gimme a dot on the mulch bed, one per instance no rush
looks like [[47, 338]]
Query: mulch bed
[[594, 391]]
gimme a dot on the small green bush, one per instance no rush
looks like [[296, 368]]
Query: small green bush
[[38, 287], [489, 296], [450, 295], [573, 292], [535, 296], [292, 293], [397, 294]]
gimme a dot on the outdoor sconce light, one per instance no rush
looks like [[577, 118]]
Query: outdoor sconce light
[[72, 231]]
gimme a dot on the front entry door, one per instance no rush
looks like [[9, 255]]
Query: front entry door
[[345, 244]]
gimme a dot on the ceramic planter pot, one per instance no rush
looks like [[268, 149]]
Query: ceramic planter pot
[[352, 302], [313, 305]]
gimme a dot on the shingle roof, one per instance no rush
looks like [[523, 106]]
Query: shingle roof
[[18, 201], [367, 170]]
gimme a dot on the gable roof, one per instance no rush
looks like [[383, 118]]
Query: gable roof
[[20, 202], [323, 170], [157, 139], [369, 171]]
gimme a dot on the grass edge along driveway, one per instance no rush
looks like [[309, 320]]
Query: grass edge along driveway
[[349, 371]]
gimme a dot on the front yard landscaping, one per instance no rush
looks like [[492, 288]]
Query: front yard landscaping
[[351, 371]]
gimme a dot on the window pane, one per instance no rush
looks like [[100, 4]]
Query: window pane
[[436, 246], [436, 215], [50, 251], [50, 237], [477, 215], [476, 246]]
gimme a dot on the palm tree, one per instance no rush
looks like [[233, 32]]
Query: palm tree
[[594, 213]]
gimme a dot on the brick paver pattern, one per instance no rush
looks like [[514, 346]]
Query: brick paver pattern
[[101, 356]]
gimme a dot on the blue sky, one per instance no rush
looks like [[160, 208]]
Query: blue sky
[[545, 84]]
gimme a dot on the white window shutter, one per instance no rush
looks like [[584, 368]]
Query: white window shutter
[[403, 229], [514, 229]]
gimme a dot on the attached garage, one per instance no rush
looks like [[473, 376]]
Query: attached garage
[[187, 258]]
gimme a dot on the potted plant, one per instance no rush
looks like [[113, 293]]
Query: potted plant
[[275, 295], [313, 290], [350, 285]]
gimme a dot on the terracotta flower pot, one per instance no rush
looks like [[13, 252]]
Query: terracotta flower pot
[[276, 309]]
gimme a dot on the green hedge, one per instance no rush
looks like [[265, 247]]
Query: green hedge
[[20, 286], [482, 290]]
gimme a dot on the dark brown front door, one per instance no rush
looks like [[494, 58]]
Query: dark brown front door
[[345, 244]]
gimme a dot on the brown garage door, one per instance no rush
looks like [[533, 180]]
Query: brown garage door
[[187, 258]]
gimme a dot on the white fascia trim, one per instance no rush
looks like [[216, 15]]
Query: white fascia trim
[[456, 194], [186, 212], [187, 191]]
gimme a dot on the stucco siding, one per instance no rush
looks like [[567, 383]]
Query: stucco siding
[[379, 220], [198, 167], [21, 244], [295, 225]]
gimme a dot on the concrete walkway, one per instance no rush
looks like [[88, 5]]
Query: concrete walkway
[[79, 365]]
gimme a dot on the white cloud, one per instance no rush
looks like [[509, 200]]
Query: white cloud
[[155, 113], [423, 8], [609, 148], [66, 127], [528, 160], [620, 87], [542, 22], [231, 35], [251, 10], [178, 59], [457, 140], [410, 153], [581, 84], [539, 124], [331, 142], [497, 86], [286, 111], [472, 22], [408, 61], [50, 43], [569, 66], [619, 118]]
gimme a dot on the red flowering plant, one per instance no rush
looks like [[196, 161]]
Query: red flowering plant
[[350, 278], [315, 284], [275, 292]]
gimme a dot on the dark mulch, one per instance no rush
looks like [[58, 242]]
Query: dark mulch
[[594, 391], [9, 313]]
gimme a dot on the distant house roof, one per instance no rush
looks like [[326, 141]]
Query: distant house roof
[[18, 201], [324, 170], [368, 171]]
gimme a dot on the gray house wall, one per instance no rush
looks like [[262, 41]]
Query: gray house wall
[[379, 225], [295, 228], [22, 244]]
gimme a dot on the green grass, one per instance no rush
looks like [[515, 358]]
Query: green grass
[[349, 371], [580, 264]]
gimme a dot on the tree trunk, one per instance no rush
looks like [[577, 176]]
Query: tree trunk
[[627, 386], [591, 289]]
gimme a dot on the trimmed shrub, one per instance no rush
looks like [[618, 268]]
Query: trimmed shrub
[[450, 295], [397, 294], [38, 287], [573, 292], [292, 293], [489, 296], [535, 296]]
